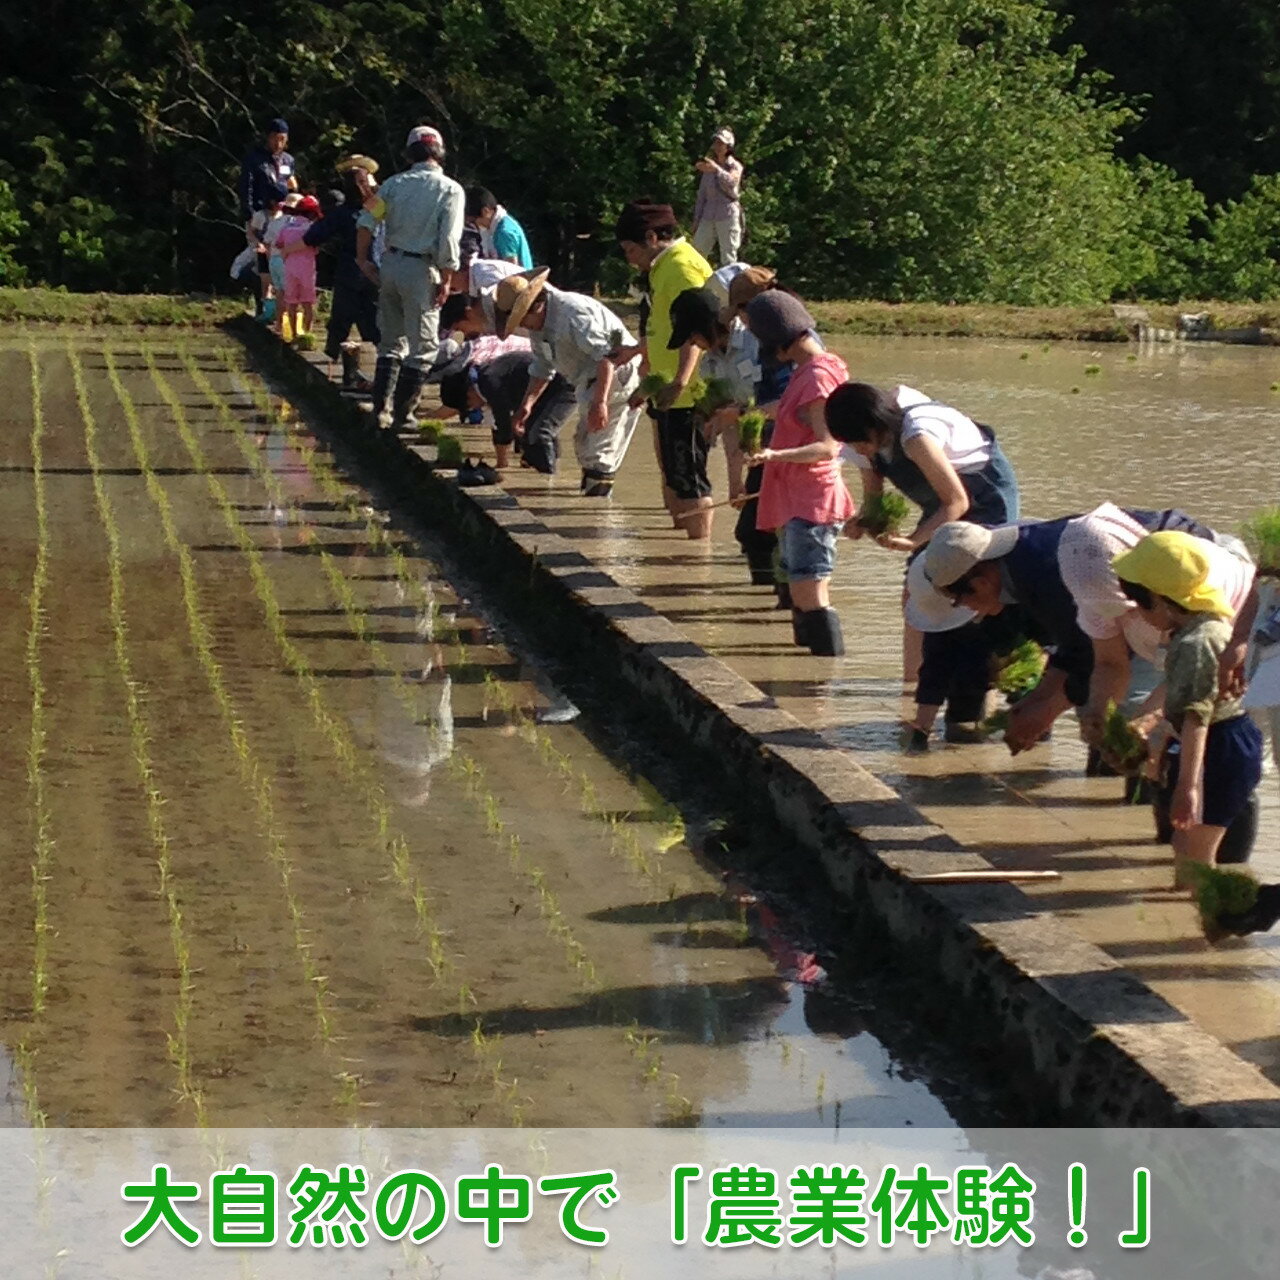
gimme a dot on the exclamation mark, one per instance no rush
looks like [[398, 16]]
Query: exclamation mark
[[1077, 1236]]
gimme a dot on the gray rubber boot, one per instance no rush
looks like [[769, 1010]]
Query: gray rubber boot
[[384, 379], [408, 389]]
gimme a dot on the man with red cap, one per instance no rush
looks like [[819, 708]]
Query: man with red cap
[[422, 212]]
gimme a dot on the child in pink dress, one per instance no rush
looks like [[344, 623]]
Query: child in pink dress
[[299, 266]]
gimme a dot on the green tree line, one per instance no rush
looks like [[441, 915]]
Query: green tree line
[[954, 150]]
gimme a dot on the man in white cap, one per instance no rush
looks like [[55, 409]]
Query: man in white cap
[[577, 337], [422, 214], [717, 215], [1059, 572]]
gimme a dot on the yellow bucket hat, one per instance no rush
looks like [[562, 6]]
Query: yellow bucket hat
[[1176, 565]]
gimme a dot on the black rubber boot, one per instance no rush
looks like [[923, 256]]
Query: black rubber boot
[[384, 380], [761, 569], [798, 630], [408, 388], [822, 633], [783, 591], [350, 370]]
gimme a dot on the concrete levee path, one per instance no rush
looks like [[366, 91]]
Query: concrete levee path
[[1152, 968], [1036, 811]]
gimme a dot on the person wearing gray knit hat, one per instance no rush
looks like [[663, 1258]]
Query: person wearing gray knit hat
[[778, 319]]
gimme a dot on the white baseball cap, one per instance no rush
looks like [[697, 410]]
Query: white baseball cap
[[425, 133], [724, 135]]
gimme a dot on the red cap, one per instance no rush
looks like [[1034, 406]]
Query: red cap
[[309, 207]]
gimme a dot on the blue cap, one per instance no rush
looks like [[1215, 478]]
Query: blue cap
[[277, 126]]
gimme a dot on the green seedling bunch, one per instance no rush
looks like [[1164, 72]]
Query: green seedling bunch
[[1221, 891], [431, 429], [884, 513], [1021, 670], [179, 1046], [651, 386], [43, 849], [448, 450], [751, 427], [1262, 536], [711, 395], [1122, 744], [255, 779]]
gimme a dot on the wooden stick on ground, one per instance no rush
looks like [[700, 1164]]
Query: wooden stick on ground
[[985, 877]]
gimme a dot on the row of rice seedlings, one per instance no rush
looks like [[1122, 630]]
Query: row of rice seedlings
[[254, 777], [41, 818], [461, 764], [179, 1046], [334, 731]]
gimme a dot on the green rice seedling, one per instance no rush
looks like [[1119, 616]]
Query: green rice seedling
[[1122, 744], [1275, 386], [448, 450], [1075, 391], [140, 738], [651, 386], [1021, 669], [1262, 536], [711, 395], [884, 512], [1092, 370], [1132, 359], [255, 779], [1221, 891], [431, 429], [751, 427], [1026, 355], [41, 819]]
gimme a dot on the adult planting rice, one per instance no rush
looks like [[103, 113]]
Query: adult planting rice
[[953, 469]]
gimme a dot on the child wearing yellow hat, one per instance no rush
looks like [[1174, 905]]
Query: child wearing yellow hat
[[1218, 761]]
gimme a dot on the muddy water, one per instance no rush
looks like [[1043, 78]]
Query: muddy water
[[1197, 426], [294, 841]]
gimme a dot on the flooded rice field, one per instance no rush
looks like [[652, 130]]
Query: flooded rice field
[[294, 839]]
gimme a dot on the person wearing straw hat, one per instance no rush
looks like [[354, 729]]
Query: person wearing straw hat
[[577, 337], [717, 215], [422, 212], [1170, 577]]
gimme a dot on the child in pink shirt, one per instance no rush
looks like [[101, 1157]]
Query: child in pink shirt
[[299, 265], [802, 494]]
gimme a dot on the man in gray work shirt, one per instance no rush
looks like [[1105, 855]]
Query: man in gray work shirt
[[422, 212]]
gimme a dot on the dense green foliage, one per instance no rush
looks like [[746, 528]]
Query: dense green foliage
[[923, 149]]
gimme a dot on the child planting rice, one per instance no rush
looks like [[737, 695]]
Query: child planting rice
[[1217, 761]]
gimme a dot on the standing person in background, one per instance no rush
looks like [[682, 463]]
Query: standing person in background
[[717, 216], [355, 295], [647, 235], [422, 212], [803, 494], [267, 166], [501, 236]]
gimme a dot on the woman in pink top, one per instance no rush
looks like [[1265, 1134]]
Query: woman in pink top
[[299, 266], [803, 495]]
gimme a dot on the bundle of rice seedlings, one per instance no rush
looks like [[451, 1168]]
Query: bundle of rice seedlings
[[884, 512], [997, 722], [651, 384], [751, 431], [448, 450], [432, 429], [1021, 670], [1221, 891], [304, 342], [1262, 536], [1121, 743], [712, 395]]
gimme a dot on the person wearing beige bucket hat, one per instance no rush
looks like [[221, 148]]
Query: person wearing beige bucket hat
[[577, 337]]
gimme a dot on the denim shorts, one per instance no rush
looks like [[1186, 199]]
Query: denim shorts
[[808, 549]]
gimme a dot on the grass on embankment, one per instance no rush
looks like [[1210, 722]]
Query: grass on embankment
[[886, 319], [53, 306]]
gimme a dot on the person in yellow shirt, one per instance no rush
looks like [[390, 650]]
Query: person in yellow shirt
[[650, 242]]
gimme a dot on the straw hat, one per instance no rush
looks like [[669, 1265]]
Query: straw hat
[[357, 161], [515, 295]]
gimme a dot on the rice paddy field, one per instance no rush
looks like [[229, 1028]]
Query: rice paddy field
[[295, 839]]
